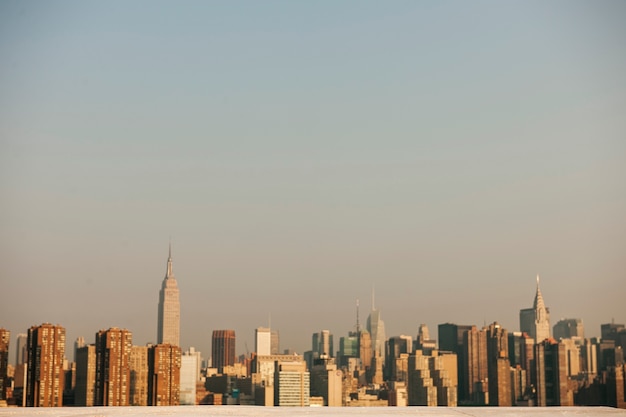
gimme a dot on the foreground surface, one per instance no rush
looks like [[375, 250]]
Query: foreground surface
[[244, 411]]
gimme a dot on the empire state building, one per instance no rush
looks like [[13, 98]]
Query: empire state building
[[169, 308]]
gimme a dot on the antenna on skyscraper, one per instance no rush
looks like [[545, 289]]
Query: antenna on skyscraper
[[358, 327]]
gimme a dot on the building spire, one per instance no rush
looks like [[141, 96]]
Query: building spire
[[539, 303], [169, 273], [373, 305], [358, 326]]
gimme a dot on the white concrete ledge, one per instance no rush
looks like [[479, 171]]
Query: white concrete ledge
[[248, 411]]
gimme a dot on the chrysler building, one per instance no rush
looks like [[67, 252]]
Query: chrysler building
[[169, 308], [536, 320]]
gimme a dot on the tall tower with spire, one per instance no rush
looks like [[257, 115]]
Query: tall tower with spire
[[536, 320], [169, 308], [376, 328]]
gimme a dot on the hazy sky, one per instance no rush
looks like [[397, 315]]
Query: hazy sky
[[300, 153]]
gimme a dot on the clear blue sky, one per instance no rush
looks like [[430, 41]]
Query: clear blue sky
[[299, 153]]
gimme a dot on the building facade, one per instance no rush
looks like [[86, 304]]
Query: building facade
[[292, 384], [45, 376], [85, 391], [223, 349], [169, 308], [5, 337], [113, 348], [263, 341], [164, 362], [138, 376]]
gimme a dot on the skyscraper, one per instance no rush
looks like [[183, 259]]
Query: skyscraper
[[536, 320], [551, 370], [45, 378], [113, 347], [475, 373], [498, 366], [5, 336], [322, 344], [223, 349], [169, 308], [376, 328], [22, 349], [263, 341]]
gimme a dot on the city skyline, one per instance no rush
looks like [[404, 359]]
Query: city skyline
[[299, 154], [246, 342]]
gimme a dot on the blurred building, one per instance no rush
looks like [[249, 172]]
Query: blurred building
[[263, 341], [22, 349], [5, 338], [139, 376], [568, 328], [188, 378]]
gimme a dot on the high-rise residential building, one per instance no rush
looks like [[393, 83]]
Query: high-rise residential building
[[188, 378], [568, 328], [113, 348], [421, 388], [263, 341], [22, 349], [376, 328], [292, 384], [169, 308], [551, 370], [5, 337], [536, 320], [164, 363], [223, 349], [476, 372], [138, 395], [498, 365], [85, 391], [45, 376]]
